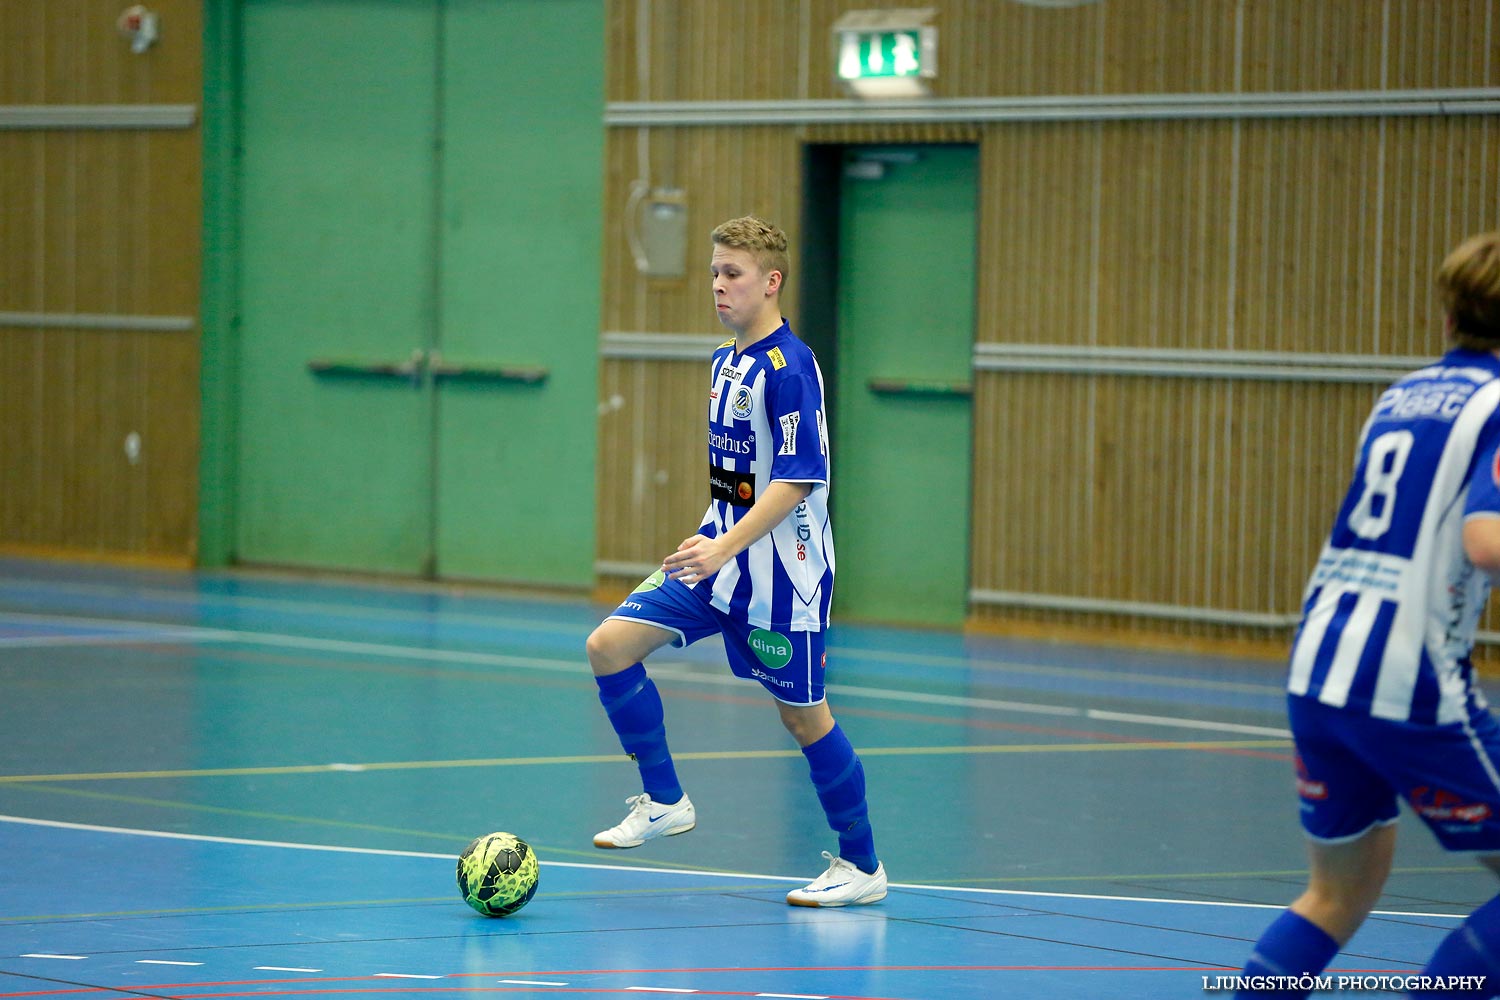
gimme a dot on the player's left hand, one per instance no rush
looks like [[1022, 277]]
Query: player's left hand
[[696, 558]]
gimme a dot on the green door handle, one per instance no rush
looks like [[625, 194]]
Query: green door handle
[[351, 367], [485, 371]]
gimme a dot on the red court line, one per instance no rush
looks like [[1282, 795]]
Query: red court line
[[851, 968], [385, 985]]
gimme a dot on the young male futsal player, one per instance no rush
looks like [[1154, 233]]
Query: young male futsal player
[[1382, 695], [758, 572]]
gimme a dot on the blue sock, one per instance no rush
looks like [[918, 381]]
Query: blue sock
[[1291, 946], [839, 778], [1472, 949], [633, 705]]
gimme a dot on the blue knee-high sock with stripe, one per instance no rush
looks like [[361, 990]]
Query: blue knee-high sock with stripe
[[839, 778], [633, 705], [1291, 946], [1472, 949]]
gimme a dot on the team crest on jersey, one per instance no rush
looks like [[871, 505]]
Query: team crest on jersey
[[1495, 469], [789, 433], [741, 405], [778, 360]]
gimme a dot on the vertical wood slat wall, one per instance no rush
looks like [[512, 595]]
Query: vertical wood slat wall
[[98, 222], [1281, 234]]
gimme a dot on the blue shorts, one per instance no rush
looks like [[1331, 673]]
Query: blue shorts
[[1352, 768], [788, 664]]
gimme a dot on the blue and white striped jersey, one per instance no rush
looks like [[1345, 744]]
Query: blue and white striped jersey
[[766, 424], [1390, 611]]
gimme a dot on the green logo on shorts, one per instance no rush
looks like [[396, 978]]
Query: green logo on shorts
[[651, 582], [773, 648]]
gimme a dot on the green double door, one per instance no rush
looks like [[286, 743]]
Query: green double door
[[419, 205], [902, 420]]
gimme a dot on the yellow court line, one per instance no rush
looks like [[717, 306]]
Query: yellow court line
[[422, 765]]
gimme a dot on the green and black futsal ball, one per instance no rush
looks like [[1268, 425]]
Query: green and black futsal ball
[[497, 874]]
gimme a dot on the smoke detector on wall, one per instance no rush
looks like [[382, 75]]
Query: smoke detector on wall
[[138, 25]]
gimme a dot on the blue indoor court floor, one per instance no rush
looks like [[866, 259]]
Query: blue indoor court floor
[[234, 784]]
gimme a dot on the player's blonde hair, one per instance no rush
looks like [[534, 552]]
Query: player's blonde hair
[[764, 241], [1468, 283]]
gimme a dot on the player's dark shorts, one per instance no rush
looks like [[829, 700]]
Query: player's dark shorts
[[1351, 769], [789, 664]]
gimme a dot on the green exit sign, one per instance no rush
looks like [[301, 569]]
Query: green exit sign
[[886, 53], [880, 53]]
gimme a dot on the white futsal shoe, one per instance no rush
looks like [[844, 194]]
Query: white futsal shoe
[[648, 820], [843, 884]]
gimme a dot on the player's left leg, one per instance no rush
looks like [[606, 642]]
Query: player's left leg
[[856, 875], [1348, 810], [1471, 951], [790, 665]]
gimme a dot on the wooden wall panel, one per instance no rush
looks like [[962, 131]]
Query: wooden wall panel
[[725, 173], [988, 48], [1038, 243], [1447, 44], [99, 222], [68, 52], [1164, 491], [1273, 234], [1163, 224], [700, 50], [653, 476]]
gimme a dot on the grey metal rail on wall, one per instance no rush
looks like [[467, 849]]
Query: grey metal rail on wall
[[1115, 107], [98, 116], [1080, 359], [1159, 362], [1274, 366], [95, 321], [1280, 366]]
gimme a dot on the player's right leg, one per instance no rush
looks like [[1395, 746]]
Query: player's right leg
[[647, 620], [1345, 880]]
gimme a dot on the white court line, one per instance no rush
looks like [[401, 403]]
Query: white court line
[[855, 652], [719, 679], [1160, 720], [120, 637], [403, 975], [196, 599], [204, 838], [282, 968], [528, 982], [162, 961], [325, 608], [65, 958]]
